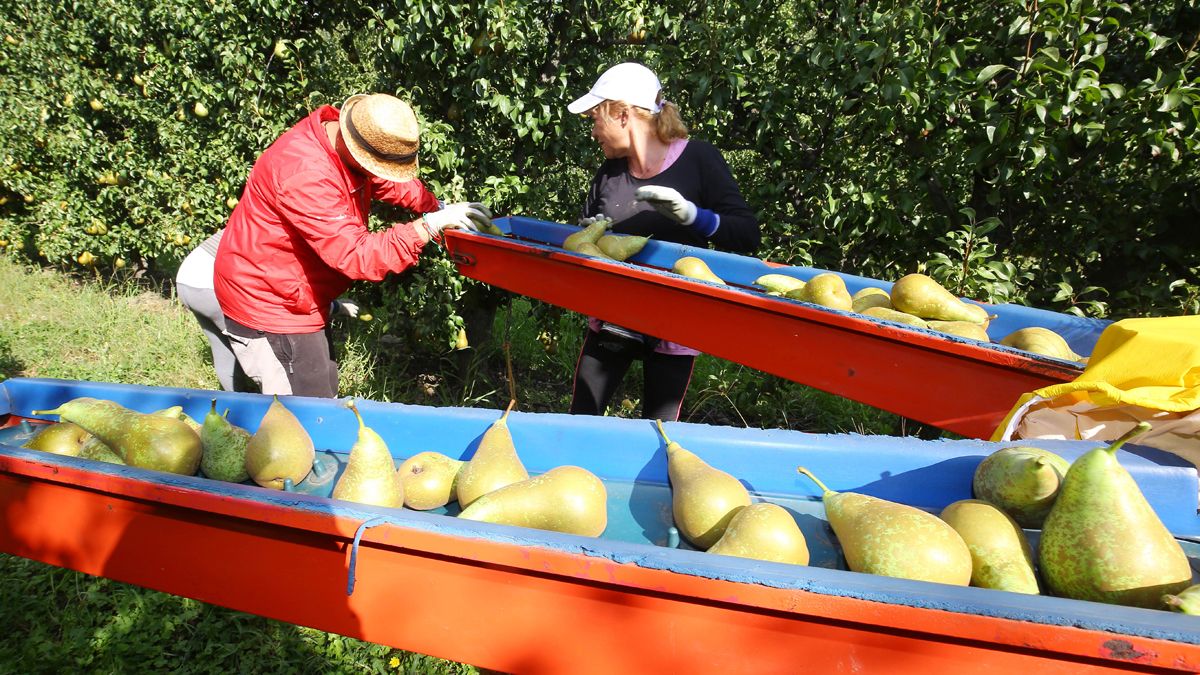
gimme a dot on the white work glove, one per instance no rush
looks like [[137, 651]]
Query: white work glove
[[345, 307], [471, 216], [592, 220], [668, 202]]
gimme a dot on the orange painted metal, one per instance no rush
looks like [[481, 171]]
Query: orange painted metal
[[510, 607], [946, 382]]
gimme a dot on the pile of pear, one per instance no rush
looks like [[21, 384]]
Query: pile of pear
[[595, 240], [916, 300]]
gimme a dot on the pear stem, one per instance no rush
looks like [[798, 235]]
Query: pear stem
[[1133, 433], [816, 480], [350, 405], [662, 431], [214, 406], [1171, 600], [55, 411], [511, 402]]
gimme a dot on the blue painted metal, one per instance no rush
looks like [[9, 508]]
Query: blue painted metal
[[1081, 333]]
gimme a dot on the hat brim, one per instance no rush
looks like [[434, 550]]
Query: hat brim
[[393, 171], [584, 103]]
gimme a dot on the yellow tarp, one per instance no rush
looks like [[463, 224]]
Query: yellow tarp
[[1141, 370]]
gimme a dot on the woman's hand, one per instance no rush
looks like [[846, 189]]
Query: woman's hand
[[668, 202]]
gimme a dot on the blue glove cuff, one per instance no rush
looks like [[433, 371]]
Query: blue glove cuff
[[706, 222]]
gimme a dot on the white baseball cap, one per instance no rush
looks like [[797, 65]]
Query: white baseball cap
[[630, 82]]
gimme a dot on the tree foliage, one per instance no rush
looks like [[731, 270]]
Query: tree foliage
[[1034, 151]]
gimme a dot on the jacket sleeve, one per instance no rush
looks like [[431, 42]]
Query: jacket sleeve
[[322, 214], [412, 195], [738, 231]]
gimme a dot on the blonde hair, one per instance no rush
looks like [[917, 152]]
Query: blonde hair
[[668, 125]]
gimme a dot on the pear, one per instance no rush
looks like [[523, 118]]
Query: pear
[[490, 228], [895, 315], [370, 476], [779, 284], [621, 247], [871, 296], [94, 448], [494, 464], [1187, 601], [828, 290], [566, 499], [60, 438], [1041, 341], [895, 540], [280, 450], [763, 531], [1001, 557], [965, 329], [224, 447], [695, 268], [147, 441], [922, 296], [1103, 542], [588, 248], [1021, 481], [703, 499], [589, 235], [430, 480]]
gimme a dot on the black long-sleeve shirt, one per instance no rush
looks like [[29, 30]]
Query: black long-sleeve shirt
[[701, 175]]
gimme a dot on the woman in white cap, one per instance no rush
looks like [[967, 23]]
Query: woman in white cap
[[655, 181], [298, 237]]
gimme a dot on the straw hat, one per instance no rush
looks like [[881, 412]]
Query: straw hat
[[382, 134]]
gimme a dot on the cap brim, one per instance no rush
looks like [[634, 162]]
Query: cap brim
[[584, 103]]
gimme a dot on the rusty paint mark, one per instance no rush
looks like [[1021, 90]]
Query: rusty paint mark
[[851, 372], [1124, 650]]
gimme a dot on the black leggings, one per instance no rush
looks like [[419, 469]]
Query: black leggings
[[603, 364]]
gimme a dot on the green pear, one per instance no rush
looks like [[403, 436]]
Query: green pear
[[1186, 601], [621, 247], [779, 284], [922, 296], [494, 464], [1041, 341], [1001, 557], [491, 228], [895, 540], [895, 315], [965, 329], [280, 450], [589, 235], [430, 480], [588, 248], [60, 438], [1102, 540], [1021, 481], [370, 476], [828, 290], [703, 499], [871, 296], [763, 531], [94, 448], [695, 268], [147, 441], [564, 499], [224, 447]]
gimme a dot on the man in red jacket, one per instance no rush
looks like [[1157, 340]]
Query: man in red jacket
[[298, 237]]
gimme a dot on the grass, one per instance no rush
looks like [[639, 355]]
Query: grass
[[54, 620]]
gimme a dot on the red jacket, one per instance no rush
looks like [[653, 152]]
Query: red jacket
[[298, 237]]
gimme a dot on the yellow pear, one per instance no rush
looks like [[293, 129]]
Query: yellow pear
[[588, 248], [621, 247], [871, 296], [764, 531], [1001, 557], [895, 315], [430, 479], [703, 499], [148, 441], [370, 476], [779, 283], [922, 296], [566, 499], [588, 235], [695, 268], [895, 540], [965, 329], [1041, 341], [280, 450], [494, 464], [828, 290], [60, 438]]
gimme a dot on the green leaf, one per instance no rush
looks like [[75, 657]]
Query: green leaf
[[989, 72], [1171, 101]]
